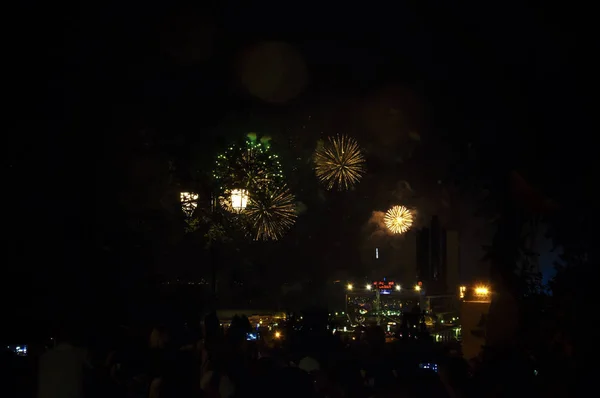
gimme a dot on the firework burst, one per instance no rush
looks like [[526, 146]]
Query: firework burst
[[339, 163], [250, 166], [271, 214], [398, 219]]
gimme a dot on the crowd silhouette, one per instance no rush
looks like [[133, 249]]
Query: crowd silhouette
[[309, 360]]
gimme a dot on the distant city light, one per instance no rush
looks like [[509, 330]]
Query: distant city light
[[368, 286], [349, 286], [417, 288], [377, 253], [398, 287]]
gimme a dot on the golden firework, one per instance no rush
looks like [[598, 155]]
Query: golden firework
[[271, 214], [339, 163], [398, 219], [248, 166]]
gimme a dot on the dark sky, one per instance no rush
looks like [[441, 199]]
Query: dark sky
[[102, 97]]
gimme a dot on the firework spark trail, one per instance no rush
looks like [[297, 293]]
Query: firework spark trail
[[398, 219], [250, 166], [339, 163], [271, 214], [270, 211]]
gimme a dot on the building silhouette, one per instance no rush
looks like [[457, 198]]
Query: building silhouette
[[437, 258]]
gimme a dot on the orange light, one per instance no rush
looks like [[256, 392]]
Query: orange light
[[482, 291]]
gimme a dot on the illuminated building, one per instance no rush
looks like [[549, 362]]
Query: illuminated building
[[257, 318], [380, 301]]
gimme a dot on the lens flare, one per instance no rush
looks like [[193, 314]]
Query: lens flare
[[398, 219], [339, 163]]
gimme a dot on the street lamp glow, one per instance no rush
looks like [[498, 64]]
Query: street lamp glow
[[349, 287], [417, 288], [368, 287], [239, 199], [189, 202], [482, 291], [277, 335], [398, 287]]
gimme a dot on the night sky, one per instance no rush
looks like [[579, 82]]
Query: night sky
[[101, 100]]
